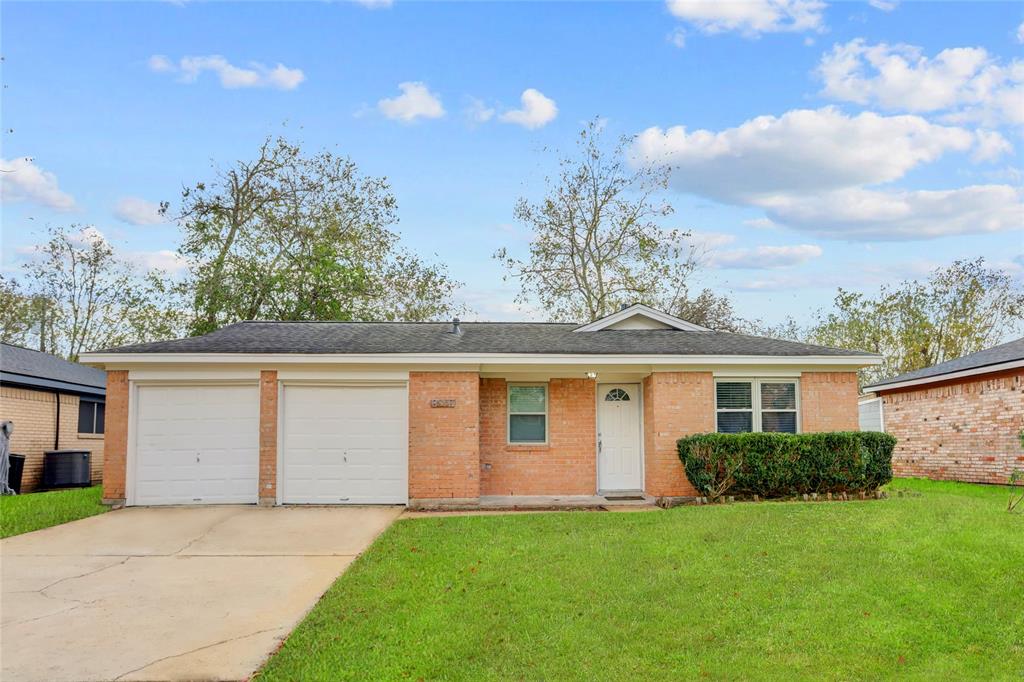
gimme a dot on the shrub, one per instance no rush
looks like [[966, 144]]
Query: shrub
[[780, 464]]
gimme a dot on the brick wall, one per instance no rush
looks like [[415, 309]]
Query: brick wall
[[828, 401], [566, 465], [268, 437], [963, 431], [116, 435], [34, 414], [675, 404], [444, 442]]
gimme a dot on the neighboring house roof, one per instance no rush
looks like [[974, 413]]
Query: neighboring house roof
[[33, 369], [540, 338], [1005, 356]]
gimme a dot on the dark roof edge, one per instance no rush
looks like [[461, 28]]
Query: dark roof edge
[[931, 378], [29, 381]]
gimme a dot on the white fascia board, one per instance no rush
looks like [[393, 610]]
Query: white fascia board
[[114, 360], [976, 371], [641, 309]]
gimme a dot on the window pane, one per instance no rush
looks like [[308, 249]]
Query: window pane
[[778, 397], [735, 422], [733, 395], [784, 422], [86, 413], [526, 428], [526, 399], [101, 411]]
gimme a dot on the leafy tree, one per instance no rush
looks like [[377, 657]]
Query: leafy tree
[[291, 236], [23, 316], [597, 244], [959, 309], [83, 296]]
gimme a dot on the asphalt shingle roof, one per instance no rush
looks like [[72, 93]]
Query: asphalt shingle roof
[[28, 367], [477, 337], [997, 355]]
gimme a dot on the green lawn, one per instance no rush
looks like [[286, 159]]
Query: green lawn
[[923, 587], [23, 513]]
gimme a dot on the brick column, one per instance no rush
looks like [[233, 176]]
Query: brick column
[[444, 442], [268, 438], [116, 437], [675, 404], [828, 401]]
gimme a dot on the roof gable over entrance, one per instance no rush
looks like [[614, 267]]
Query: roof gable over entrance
[[640, 316]]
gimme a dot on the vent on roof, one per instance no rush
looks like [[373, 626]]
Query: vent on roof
[[456, 329]]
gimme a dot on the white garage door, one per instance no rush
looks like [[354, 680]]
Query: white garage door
[[345, 445], [196, 445]]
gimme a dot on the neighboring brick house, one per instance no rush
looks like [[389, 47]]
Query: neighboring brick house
[[959, 420], [54, 405], [449, 414]]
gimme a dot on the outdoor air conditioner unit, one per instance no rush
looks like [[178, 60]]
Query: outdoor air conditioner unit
[[66, 469]]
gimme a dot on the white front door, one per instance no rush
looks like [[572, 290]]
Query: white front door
[[196, 444], [344, 445], [618, 437]]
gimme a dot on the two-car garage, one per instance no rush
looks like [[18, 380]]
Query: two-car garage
[[198, 443]]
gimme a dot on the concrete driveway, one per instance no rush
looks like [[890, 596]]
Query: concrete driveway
[[173, 593]]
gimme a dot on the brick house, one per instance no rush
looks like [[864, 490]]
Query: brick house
[[449, 414], [959, 420], [54, 405]]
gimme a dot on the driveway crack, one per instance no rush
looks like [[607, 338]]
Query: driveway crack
[[192, 651]]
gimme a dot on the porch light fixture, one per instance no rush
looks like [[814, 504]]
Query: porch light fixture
[[591, 375]]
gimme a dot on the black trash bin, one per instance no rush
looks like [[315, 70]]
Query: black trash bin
[[14, 473], [66, 469]]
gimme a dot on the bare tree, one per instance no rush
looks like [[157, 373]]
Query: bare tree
[[597, 242]]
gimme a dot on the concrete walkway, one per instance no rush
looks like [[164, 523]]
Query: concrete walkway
[[173, 593]]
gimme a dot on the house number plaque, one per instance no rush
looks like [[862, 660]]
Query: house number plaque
[[442, 402]]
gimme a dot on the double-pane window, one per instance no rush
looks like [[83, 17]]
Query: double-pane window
[[745, 405]]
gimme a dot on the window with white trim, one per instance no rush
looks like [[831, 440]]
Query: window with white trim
[[745, 405], [90, 416], [527, 413]]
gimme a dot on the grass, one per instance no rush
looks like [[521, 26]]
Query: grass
[[25, 513], [916, 587]]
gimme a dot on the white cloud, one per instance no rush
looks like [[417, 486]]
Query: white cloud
[[375, 4], [1020, 33], [765, 256], [750, 18], [965, 82], [164, 259], [760, 223], [537, 110], [895, 215], [254, 75], [160, 63], [416, 101], [802, 152], [478, 112], [884, 5], [990, 146], [136, 211], [22, 180], [678, 38], [709, 241], [811, 171]]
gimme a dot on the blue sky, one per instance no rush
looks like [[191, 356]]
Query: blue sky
[[815, 146]]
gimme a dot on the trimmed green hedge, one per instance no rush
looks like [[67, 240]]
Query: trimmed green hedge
[[781, 464]]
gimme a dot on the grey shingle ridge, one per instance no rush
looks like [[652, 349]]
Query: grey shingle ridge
[[477, 337], [997, 355]]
